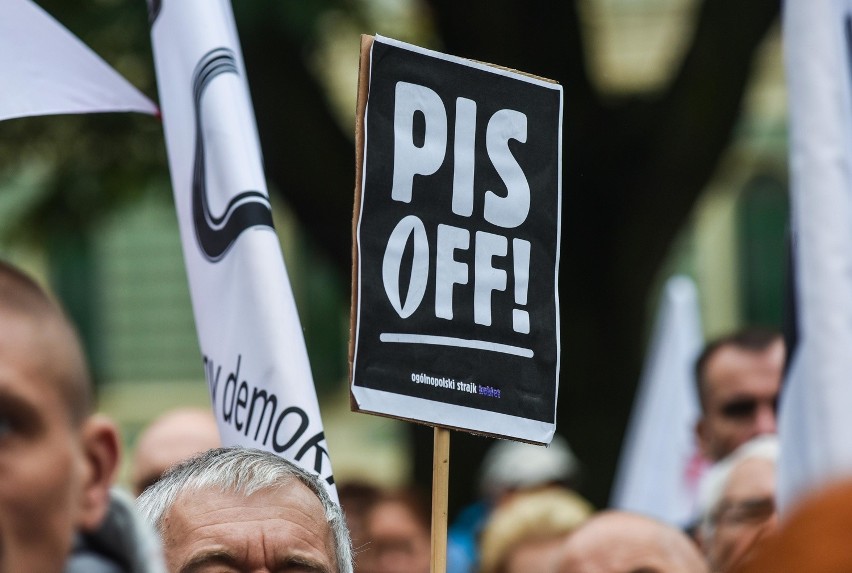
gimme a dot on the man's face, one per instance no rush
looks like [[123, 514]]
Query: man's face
[[280, 530], [398, 542], [745, 513], [42, 460], [740, 397]]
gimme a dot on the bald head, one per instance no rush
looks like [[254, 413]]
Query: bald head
[[174, 437], [44, 336], [620, 542]]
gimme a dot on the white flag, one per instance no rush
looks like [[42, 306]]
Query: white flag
[[660, 462], [254, 354], [815, 424], [47, 70]]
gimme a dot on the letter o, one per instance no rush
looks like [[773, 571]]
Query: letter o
[[303, 425], [409, 227]]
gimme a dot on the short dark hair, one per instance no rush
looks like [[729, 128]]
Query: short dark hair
[[755, 339]]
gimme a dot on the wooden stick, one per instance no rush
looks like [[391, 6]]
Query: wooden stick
[[440, 493]]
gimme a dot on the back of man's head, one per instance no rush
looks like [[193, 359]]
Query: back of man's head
[[621, 542], [173, 437], [224, 475], [57, 460]]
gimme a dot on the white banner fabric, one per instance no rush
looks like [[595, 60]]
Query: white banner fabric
[[47, 70], [814, 421], [661, 465], [254, 354]]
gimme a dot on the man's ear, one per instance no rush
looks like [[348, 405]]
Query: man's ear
[[101, 450]]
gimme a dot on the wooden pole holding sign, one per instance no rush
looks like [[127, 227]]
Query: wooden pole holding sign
[[440, 494]]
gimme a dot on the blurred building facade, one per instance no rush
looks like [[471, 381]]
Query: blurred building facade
[[734, 244]]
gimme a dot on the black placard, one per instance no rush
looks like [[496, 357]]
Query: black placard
[[457, 242]]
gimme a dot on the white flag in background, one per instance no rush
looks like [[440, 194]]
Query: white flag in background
[[815, 424], [660, 462], [254, 354], [47, 70]]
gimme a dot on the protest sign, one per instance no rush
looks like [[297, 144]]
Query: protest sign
[[455, 308]]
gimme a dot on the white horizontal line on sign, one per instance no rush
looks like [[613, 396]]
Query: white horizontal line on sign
[[458, 342]]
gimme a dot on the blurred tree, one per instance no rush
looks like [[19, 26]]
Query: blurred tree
[[633, 169], [633, 166]]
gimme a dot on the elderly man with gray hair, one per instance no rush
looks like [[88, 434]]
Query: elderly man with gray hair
[[738, 503], [246, 510]]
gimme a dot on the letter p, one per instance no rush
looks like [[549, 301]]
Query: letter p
[[409, 159]]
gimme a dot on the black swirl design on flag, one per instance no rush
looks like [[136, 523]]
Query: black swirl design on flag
[[247, 209]]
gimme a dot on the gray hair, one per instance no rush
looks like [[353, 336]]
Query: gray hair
[[764, 447], [244, 471]]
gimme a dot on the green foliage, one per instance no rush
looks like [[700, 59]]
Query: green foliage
[[88, 164]]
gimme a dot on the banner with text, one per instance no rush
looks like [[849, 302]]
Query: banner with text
[[456, 309], [254, 354]]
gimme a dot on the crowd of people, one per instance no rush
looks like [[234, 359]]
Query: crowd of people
[[201, 508]]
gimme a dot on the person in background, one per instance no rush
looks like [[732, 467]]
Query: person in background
[[738, 501], [174, 437], [57, 458], [357, 499], [622, 542], [240, 509], [524, 534], [813, 537], [507, 468], [738, 377], [398, 528]]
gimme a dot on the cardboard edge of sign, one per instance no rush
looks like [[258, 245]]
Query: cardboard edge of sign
[[360, 109], [360, 112]]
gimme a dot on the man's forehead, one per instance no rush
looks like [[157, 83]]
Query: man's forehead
[[42, 349], [751, 477], [293, 503], [25, 357], [730, 367], [277, 524]]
